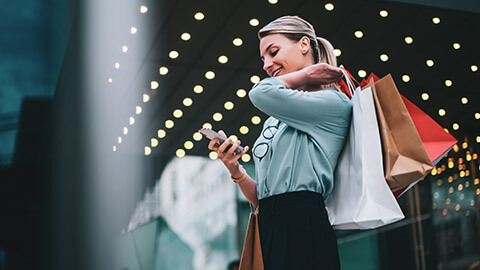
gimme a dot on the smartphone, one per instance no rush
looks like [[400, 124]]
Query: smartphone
[[211, 134]]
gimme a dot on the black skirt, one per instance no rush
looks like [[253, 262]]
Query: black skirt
[[295, 233]]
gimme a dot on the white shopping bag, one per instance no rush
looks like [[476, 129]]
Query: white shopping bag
[[361, 198]]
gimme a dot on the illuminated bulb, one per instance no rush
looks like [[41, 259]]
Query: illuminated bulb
[[444, 212], [246, 158], [146, 98], [228, 105], [464, 100], [207, 125], [273, 2], [154, 85], [446, 130], [329, 6], [241, 93], [143, 9], [477, 115], [254, 22], [256, 120], [234, 138], [425, 96], [462, 174], [362, 73], [243, 130], [125, 130], [384, 57], [114, 148], [161, 133], [222, 59], [177, 113], [436, 20], [124, 48], [197, 136], [198, 89], [237, 42], [430, 63], [337, 52], [163, 70], [383, 13], [478, 139], [450, 190], [199, 16], [133, 30], [119, 140], [148, 150], [185, 36], [405, 78], [117, 65], [169, 124], [138, 110], [110, 80], [213, 155], [441, 112], [408, 40], [187, 102], [474, 68], [188, 145], [180, 153], [358, 34], [173, 54], [448, 83], [217, 117], [455, 126], [131, 120], [254, 79], [210, 75], [154, 142], [456, 46]]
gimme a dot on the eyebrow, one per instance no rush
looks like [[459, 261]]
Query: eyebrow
[[268, 47]]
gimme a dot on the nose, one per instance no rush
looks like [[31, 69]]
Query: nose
[[267, 64]]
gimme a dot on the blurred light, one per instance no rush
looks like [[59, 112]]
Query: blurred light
[[114, 148], [124, 48], [119, 140], [464, 100], [448, 201], [197, 136], [450, 164], [185, 36], [180, 153], [442, 112], [476, 181], [177, 113], [146, 98], [425, 96], [222, 59], [210, 75], [207, 125], [256, 120], [188, 145], [217, 116], [337, 52], [450, 179], [133, 30], [329, 6], [460, 187], [446, 130], [430, 63], [153, 142], [477, 115], [163, 70], [131, 120], [246, 157], [475, 156], [110, 80], [243, 130], [450, 190], [456, 46], [362, 73], [405, 78], [436, 20], [241, 93], [444, 212], [358, 34], [478, 139], [161, 133], [439, 183], [148, 150], [474, 68], [254, 22], [383, 13], [434, 171], [273, 2], [125, 130], [448, 83], [408, 40], [237, 42], [228, 105], [143, 9], [153, 85], [234, 138], [187, 102], [254, 79], [468, 157], [384, 57], [169, 124], [138, 110], [198, 89], [478, 191], [213, 155], [455, 126], [457, 207], [117, 65], [199, 16], [173, 54]]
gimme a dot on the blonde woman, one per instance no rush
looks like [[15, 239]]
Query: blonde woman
[[297, 150]]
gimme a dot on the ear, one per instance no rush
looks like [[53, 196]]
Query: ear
[[304, 45]]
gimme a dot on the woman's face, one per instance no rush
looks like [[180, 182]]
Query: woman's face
[[281, 55]]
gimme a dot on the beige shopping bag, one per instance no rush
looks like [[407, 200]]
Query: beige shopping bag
[[252, 251]]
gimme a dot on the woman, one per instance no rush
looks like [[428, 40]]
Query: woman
[[297, 151]]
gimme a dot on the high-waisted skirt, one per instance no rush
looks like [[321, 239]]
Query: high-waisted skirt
[[295, 233]]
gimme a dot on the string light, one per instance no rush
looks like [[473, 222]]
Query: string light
[[187, 102], [256, 120], [222, 59], [237, 42], [119, 140], [153, 142], [243, 130], [254, 79], [133, 30], [169, 124], [185, 36], [358, 34], [124, 48], [213, 155], [161, 133], [228, 105], [362, 73], [117, 65], [197, 136], [337, 52], [125, 130], [188, 145], [173, 54], [384, 57], [474, 68], [114, 148], [153, 85], [246, 158], [163, 71], [199, 16], [436, 20], [180, 153], [177, 113], [456, 45], [477, 115], [198, 89], [425, 96], [131, 120], [241, 93], [217, 117], [442, 112], [455, 126], [146, 98], [143, 9], [233, 137], [210, 75], [408, 40], [430, 63], [329, 6], [138, 110], [254, 22], [207, 125], [464, 100], [110, 80], [148, 150], [383, 13], [448, 83], [405, 78], [273, 2]]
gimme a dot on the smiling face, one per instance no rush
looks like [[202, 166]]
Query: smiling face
[[281, 55]]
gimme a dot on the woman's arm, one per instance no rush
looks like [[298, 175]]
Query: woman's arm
[[312, 76]]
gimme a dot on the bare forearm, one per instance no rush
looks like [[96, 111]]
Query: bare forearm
[[249, 190], [294, 80]]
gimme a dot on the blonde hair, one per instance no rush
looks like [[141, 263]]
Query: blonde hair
[[295, 28]]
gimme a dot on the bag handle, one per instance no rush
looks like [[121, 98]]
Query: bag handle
[[253, 209], [349, 79]]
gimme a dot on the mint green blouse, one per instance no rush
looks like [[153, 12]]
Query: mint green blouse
[[300, 142]]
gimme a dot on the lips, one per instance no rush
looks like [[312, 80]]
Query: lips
[[275, 73]]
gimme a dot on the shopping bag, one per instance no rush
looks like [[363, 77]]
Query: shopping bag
[[405, 159], [361, 198], [252, 252]]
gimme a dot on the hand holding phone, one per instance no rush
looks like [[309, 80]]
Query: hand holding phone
[[211, 134]]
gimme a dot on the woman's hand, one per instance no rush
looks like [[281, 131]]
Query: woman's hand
[[322, 73], [228, 157]]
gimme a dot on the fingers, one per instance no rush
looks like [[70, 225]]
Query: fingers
[[212, 145]]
